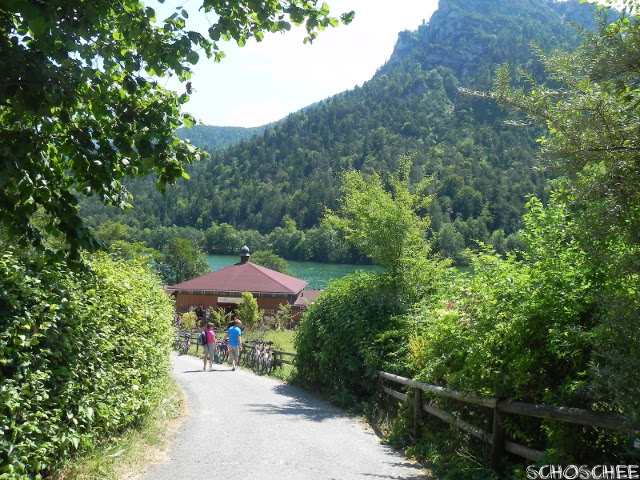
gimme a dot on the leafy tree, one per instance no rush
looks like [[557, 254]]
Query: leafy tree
[[451, 243], [324, 244], [270, 260], [129, 250], [223, 239], [79, 112], [287, 240], [159, 238], [590, 107], [189, 320], [110, 231], [382, 222], [591, 114], [248, 311], [220, 317], [283, 317], [351, 329], [182, 261], [254, 239]]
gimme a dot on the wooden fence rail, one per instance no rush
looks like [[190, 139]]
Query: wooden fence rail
[[278, 357], [499, 445]]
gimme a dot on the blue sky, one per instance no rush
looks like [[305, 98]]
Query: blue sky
[[264, 82]]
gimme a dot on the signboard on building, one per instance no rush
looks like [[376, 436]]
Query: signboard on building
[[236, 300]]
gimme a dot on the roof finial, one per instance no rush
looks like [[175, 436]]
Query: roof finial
[[244, 254]]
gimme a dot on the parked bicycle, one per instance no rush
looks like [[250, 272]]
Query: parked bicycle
[[265, 360], [258, 355], [246, 353], [183, 342]]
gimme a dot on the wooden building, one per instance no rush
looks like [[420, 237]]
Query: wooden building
[[224, 287]]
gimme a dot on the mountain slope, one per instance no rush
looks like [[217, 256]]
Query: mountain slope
[[215, 139], [482, 170]]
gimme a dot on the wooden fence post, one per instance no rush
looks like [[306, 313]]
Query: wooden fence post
[[277, 362], [497, 438], [379, 383], [417, 413]]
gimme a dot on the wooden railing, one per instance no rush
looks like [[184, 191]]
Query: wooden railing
[[278, 357], [499, 444]]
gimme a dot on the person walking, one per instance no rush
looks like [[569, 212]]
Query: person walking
[[209, 347], [234, 337]]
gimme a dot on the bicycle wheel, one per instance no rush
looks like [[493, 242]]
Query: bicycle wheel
[[260, 365], [268, 364], [242, 357], [255, 364]]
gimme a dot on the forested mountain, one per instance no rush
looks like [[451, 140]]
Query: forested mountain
[[215, 139], [482, 170]]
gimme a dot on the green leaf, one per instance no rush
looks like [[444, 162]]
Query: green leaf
[[193, 58]]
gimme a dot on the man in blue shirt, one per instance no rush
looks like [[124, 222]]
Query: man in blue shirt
[[234, 337]]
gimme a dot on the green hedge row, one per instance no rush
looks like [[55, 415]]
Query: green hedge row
[[341, 340], [557, 326], [82, 355]]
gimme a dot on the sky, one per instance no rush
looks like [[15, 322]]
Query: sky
[[264, 82]]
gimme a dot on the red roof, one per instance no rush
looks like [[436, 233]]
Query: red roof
[[244, 277], [306, 297]]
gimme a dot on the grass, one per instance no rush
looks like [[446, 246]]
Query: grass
[[282, 340], [127, 456]]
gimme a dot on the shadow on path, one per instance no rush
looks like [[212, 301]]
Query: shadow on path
[[299, 403], [307, 412]]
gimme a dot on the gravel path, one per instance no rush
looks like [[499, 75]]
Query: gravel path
[[243, 426]]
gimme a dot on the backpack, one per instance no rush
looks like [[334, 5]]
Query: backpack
[[202, 338]]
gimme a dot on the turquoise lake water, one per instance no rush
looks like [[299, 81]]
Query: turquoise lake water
[[317, 274]]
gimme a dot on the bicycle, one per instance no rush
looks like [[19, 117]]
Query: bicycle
[[183, 343], [265, 360], [249, 355], [178, 342], [260, 357], [223, 351]]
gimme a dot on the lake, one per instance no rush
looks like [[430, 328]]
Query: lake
[[317, 274]]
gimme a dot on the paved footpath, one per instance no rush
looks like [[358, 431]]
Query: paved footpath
[[241, 426]]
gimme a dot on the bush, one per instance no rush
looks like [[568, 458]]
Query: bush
[[338, 340], [83, 355], [539, 330], [248, 311], [189, 321]]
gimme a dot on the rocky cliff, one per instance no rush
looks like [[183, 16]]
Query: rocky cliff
[[466, 35]]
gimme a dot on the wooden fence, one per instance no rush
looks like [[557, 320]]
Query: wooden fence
[[278, 358], [499, 444]]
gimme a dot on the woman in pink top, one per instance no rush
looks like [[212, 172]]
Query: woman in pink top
[[209, 347]]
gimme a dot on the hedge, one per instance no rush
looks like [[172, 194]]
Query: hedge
[[83, 354]]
